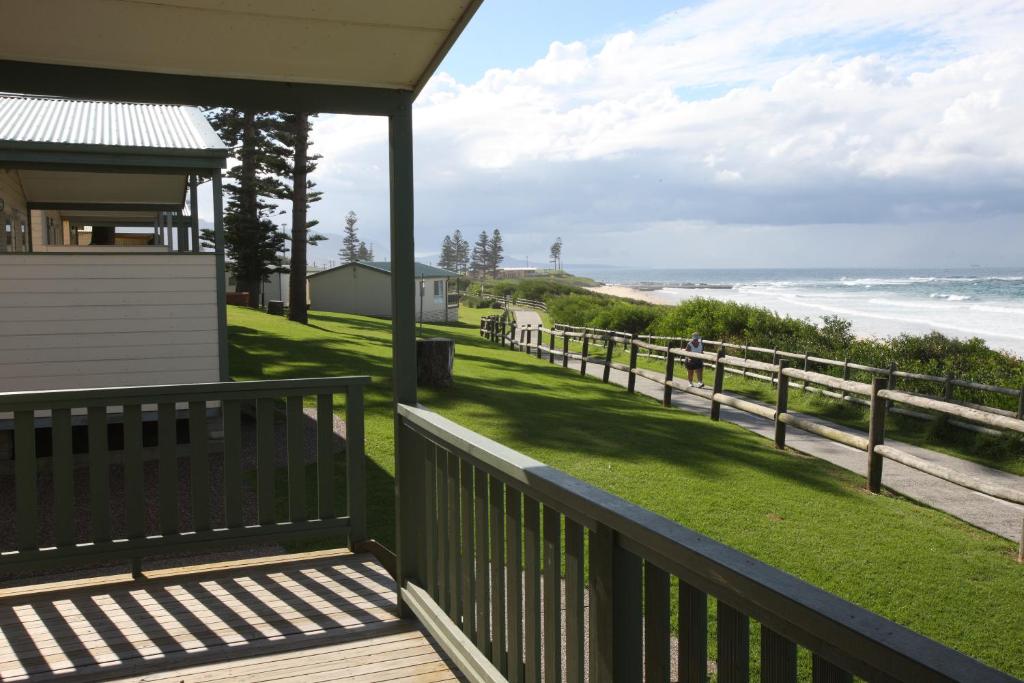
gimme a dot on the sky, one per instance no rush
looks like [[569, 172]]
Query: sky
[[721, 134]]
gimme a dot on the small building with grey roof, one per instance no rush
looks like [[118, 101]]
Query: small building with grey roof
[[364, 288]]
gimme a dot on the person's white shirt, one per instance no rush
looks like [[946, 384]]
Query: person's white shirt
[[695, 346]]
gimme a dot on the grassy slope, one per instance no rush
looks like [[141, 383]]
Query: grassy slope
[[916, 566]]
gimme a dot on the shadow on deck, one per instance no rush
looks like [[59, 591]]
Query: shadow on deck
[[328, 615]]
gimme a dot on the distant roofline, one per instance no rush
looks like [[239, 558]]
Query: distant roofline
[[376, 266]]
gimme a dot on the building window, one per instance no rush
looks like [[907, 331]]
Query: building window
[[438, 291]]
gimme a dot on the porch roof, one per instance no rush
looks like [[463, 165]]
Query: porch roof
[[379, 52]]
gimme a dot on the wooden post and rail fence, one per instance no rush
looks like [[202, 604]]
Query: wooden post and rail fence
[[878, 395]]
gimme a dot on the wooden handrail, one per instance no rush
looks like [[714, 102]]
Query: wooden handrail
[[462, 470], [265, 399]]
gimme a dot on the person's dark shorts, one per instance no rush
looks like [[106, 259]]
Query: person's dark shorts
[[694, 364]]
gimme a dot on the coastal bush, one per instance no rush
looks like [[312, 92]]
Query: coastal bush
[[624, 316]]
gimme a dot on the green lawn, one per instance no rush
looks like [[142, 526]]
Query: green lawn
[[916, 566]]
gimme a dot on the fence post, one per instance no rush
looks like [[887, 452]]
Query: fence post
[[551, 347], [482, 323], [529, 339], [947, 396], [583, 354], [775, 361], [846, 376], [876, 435], [891, 383], [565, 348], [607, 359], [746, 347], [670, 366], [807, 356], [716, 407], [631, 379], [540, 341], [504, 330], [1020, 405], [512, 335], [781, 404]]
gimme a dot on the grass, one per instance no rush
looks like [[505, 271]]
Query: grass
[[1004, 452], [916, 566]]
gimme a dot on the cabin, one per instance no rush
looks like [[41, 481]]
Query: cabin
[[364, 288], [103, 277], [515, 273], [501, 567]]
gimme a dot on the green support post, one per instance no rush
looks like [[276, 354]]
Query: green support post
[[409, 494], [221, 284]]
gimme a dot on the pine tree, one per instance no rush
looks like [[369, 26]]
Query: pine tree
[[481, 257], [496, 253], [252, 242], [350, 243], [294, 163], [556, 254], [460, 248], [447, 259], [365, 253]]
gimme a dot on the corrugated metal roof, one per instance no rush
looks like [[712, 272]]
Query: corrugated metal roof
[[422, 270], [115, 124]]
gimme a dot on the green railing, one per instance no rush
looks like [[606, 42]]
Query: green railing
[[505, 559], [172, 492]]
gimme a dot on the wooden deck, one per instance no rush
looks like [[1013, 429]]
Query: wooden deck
[[315, 616]]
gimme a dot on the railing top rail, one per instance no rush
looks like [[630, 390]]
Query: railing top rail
[[963, 412], [77, 398], [851, 637], [846, 385]]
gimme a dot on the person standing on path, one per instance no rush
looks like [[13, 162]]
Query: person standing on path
[[695, 345]]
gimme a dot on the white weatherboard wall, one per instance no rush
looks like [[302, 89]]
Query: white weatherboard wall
[[102, 319]]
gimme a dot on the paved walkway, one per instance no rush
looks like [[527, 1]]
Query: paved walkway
[[985, 512]]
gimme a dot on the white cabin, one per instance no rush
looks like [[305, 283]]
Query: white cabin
[[364, 288]]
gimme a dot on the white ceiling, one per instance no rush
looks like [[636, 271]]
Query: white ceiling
[[375, 43]]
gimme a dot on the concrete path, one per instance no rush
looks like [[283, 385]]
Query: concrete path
[[991, 514], [527, 317]]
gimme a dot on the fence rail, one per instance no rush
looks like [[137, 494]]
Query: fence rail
[[113, 439], [485, 533], [892, 373], [878, 395]]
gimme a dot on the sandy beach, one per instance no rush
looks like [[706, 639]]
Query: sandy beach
[[624, 292]]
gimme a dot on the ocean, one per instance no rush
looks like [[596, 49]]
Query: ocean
[[960, 302]]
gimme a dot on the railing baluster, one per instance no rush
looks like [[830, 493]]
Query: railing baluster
[[64, 479], [574, 654], [99, 473], [693, 634], [199, 464], [454, 540], [444, 597], [265, 466], [480, 528], [552, 595], [26, 480], [430, 519], [824, 671], [296, 460], [531, 631], [514, 580], [167, 446], [657, 665], [601, 580], [232, 416], [627, 606], [733, 645], [355, 463], [325, 472], [468, 555], [498, 649], [778, 657], [134, 487]]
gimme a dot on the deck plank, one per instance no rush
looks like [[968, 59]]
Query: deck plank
[[312, 616]]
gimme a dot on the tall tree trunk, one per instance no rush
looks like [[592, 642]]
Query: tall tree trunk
[[297, 276], [248, 202]]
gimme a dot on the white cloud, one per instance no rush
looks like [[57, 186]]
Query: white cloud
[[734, 112]]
